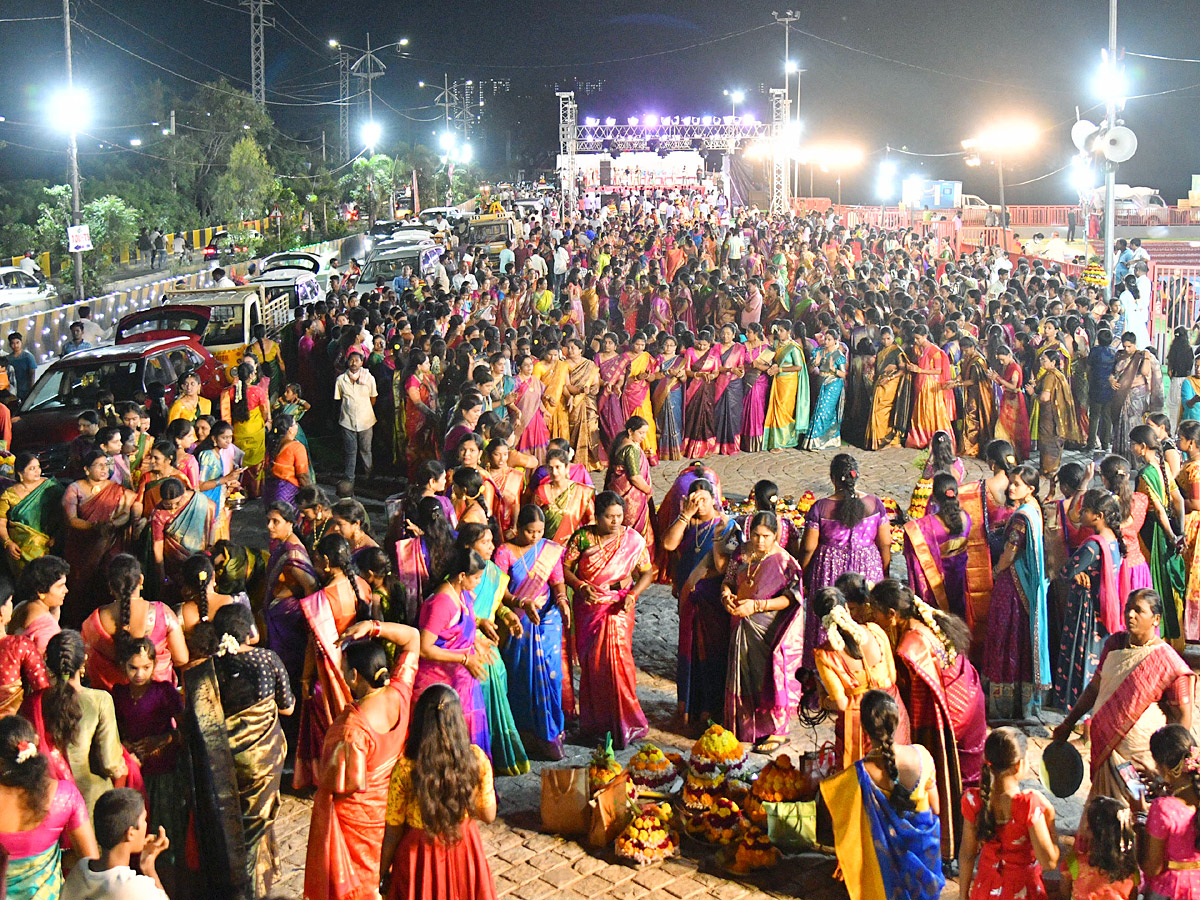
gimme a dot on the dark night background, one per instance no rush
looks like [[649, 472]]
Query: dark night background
[[968, 63]]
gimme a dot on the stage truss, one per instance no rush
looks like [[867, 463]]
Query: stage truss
[[671, 134]]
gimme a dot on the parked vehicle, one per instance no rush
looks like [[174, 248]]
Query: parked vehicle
[[46, 422], [17, 286], [228, 314], [294, 263], [224, 249], [389, 261]]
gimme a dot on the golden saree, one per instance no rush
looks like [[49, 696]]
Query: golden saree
[[33, 520], [583, 421], [553, 377]]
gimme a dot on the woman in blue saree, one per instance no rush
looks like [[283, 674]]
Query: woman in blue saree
[[667, 399], [218, 473], [1016, 651], [533, 656], [508, 753], [1167, 570], [825, 430], [729, 392], [885, 814]]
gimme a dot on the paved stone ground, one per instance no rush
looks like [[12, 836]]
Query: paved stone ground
[[528, 865]]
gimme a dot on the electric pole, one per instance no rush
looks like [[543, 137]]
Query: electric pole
[[73, 152], [366, 67], [344, 103], [786, 19], [1110, 168], [258, 23]]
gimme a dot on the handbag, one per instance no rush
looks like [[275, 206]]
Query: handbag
[[792, 825], [611, 810], [564, 800]]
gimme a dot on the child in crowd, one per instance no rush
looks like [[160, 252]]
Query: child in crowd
[[1110, 869], [120, 824], [293, 404]]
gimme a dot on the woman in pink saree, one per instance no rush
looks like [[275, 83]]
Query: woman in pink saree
[[1012, 417], [635, 396], [607, 566], [758, 356], [762, 592], [629, 477], [608, 405], [728, 392], [704, 362], [529, 412], [329, 612]]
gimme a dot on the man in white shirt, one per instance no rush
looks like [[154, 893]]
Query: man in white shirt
[[562, 262], [222, 280], [92, 332], [120, 825], [736, 246], [464, 276], [356, 390], [1137, 309], [30, 266]]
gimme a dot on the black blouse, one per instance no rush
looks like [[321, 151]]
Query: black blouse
[[252, 675]]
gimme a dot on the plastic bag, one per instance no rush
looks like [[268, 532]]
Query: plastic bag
[[565, 800]]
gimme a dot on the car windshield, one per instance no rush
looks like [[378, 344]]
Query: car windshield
[[76, 387], [492, 232], [225, 326], [165, 321], [292, 262], [387, 268]]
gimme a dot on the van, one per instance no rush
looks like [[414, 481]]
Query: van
[[490, 233], [230, 315], [389, 260]]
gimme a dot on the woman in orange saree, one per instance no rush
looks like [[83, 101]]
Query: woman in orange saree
[[635, 396], [629, 477], [361, 748], [420, 411], [1012, 417], [933, 401], [566, 503], [96, 508], [607, 566], [508, 482], [553, 372], [329, 612]]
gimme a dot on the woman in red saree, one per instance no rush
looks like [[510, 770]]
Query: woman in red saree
[[95, 508], [608, 405], [566, 503], [629, 477], [419, 411], [180, 527], [944, 698], [21, 666], [699, 401], [608, 566], [508, 482], [1012, 416], [527, 406], [933, 400], [361, 748], [1139, 675], [329, 612]]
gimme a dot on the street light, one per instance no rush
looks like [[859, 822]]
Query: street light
[[735, 97], [834, 157], [371, 133], [333, 43], [403, 42], [999, 140], [71, 110]]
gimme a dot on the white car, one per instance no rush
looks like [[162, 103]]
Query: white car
[[297, 262], [17, 286]]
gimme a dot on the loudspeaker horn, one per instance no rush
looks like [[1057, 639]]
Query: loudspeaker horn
[[1081, 131], [1118, 144]]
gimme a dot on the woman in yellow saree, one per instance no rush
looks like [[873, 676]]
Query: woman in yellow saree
[[635, 397], [890, 397], [566, 503], [788, 408], [553, 371], [30, 513], [245, 405]]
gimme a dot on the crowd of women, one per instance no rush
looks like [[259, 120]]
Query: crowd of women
[[394, 670]]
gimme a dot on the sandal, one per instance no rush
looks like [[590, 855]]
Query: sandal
[[769, 745]]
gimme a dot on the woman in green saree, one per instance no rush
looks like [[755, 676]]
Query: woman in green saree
[[30, 514], [492, 617], [1158, 534]]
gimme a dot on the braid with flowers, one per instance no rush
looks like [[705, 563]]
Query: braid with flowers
[[1175, 750], [927, 616]]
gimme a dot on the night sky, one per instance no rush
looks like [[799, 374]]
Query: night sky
[[968, 63]]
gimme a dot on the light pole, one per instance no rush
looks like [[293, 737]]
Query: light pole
[[735, 97], [996, 141], [368, 66], [786, 19], [75, 109], [1110, 119]]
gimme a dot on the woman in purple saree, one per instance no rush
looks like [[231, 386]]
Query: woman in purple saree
[[763, 594], [935, 549], [609, 408], [448, 651], [290, 577], [728, 392], [699, 436], [629, 477]]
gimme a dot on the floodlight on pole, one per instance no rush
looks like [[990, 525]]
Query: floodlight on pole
[[71, 110], [371, 134], [998, 141], [333, 43]]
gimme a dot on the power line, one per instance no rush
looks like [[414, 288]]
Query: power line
[[1162, 58], [34, 19]]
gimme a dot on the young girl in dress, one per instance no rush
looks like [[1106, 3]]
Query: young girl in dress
[[1010, 831], [1110, 869]]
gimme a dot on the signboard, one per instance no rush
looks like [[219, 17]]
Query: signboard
[[79, 238]]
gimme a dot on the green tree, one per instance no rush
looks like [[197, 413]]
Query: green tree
[[112, 224], [243, 189], [370, 183]]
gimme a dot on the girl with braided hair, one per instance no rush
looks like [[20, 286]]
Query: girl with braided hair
[[942, 693], [1093, 605], [37, 810], [885, 811], [845, 532], [1016, 651], [247, 407], [1009, 830], [1158, 533], [131, 615], [1171, 858], [202, 600], [853, 660], [935, 550], [76, 725], [1135, 571], [343, 597]]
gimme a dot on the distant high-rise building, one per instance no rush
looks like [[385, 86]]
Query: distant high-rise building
[[490, 87], [580, 86]]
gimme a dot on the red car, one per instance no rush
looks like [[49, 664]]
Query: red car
[[47, 420]]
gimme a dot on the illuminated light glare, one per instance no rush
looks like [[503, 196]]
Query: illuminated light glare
[[403, 42], [70, 109], [737, 96], [706, 120], [632, 120], [792, 67], [1004, 137], [465, 153], [610, 121], [446, 140], [591, 121], [333, 42], [1110, 81], [420, 84], [371, 133], [650, 120], [1083, 176], [135, 142], [831, 156]]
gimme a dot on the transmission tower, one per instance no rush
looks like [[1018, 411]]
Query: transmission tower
[[344, 104], [258, 60]]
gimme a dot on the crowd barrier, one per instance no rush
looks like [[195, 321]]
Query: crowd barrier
[[45, 330]]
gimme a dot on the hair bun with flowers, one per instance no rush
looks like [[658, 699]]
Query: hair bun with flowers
[[26, 750]]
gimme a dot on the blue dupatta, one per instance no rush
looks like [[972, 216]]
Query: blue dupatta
[[1030, 570]]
